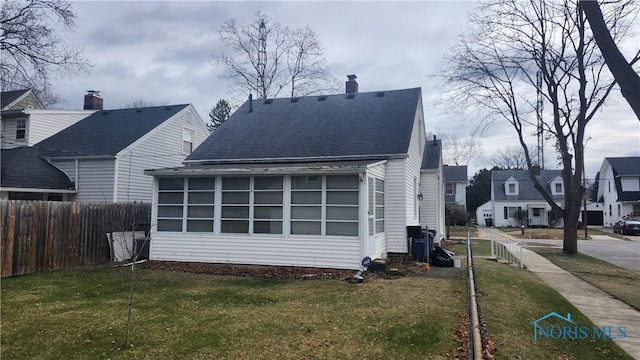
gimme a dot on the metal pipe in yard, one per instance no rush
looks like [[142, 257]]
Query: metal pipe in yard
[[476, 339]]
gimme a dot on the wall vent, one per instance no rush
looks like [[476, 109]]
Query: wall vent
[[268, 101]]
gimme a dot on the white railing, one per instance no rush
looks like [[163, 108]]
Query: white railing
[[508, 250]]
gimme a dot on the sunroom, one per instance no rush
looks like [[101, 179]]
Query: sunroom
[[312, 215]]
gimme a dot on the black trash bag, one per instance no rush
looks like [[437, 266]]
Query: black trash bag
[[439, 257]]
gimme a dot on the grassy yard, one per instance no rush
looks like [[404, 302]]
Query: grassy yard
[[81, 313], [554, 234], [511, 298]]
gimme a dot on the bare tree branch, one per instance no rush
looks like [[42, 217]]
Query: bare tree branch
[[31, 49], [267, 57], [493, 70]]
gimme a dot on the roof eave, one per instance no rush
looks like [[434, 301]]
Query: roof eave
[[296, 159]]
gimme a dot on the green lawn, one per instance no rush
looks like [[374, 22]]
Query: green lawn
[[81, 314], [511, 298]]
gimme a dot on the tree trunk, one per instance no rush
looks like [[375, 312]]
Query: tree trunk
[[622, 71], [571, 215]]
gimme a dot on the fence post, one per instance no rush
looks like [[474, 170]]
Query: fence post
[[493, 254]]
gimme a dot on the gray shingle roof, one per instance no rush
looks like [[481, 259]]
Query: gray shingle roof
[[454, 173], [22, 167], [623, 167], [432, 154], [7, 97], [106, 132], [526, 190], [368, 125]]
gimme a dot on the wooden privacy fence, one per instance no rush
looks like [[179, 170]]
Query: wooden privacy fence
[[49, 235]]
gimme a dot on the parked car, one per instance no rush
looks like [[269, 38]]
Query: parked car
[[627, 227]]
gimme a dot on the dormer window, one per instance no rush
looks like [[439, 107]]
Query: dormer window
[[511, 187], [21, 129], [557, 186]]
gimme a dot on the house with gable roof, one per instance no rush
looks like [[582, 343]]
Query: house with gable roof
[[455, 186], [515, 201], [25, 121], [315, 181], [619, 189], [105, 154]]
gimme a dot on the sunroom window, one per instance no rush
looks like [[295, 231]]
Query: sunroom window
[[170, 204], [235, 204], [201, 204]]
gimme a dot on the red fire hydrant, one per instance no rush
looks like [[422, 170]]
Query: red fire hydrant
[[522, 229]]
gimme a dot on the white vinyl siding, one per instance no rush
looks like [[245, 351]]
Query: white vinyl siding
[[45, 123], [337, 217], [94, 180], [161, 148], [400, 195], [9, 130], [395, 195], [294, 250]]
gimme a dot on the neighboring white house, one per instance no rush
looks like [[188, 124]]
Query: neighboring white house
[[619, 189], [25, 123], [455, 186], [432, 189], [315, 181], [514, 200], [106, 153], [484, 214]]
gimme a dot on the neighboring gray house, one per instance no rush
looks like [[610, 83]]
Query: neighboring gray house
[[316, 181], [455, 186], [24, 175], [24, 121], [513, 197], [432, 206], [619, 189], [106, 153]]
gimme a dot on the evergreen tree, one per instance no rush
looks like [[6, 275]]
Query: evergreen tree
[[219, 114]]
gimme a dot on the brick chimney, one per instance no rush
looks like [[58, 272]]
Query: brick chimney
[[93, 101], [352, 84], [535, 169]]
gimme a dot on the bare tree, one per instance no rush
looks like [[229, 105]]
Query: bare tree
[[138, 102], [494, 70], [511, 157], [267, 57], [33, 51], [460, 151], [625, 75]]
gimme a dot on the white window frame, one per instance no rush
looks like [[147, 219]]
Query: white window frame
[[507, 186], [554, 188], [187, 133], [339, 205], [21, 129], [449, 188]]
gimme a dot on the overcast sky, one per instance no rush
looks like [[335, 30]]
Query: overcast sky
[[160, 51]]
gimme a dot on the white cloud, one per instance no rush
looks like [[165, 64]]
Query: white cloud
[[161, 50]]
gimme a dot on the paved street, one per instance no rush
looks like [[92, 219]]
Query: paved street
[[624, 253]]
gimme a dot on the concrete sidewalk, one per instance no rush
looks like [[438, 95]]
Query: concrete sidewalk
[[595, 304]]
